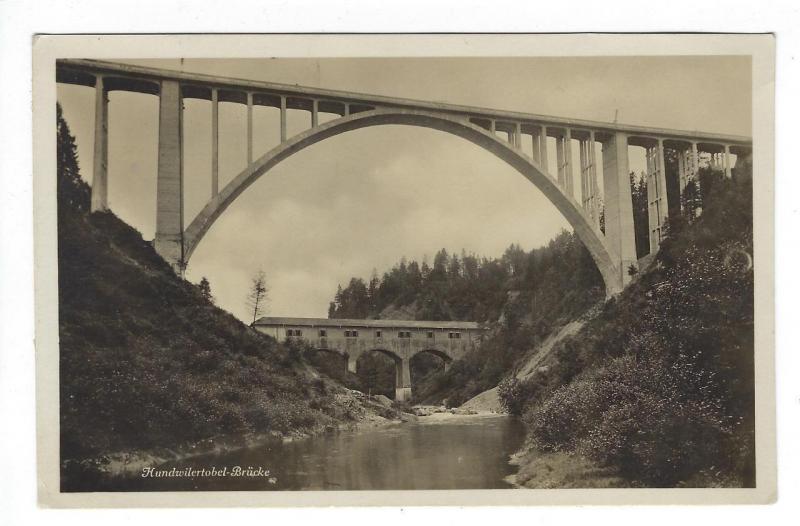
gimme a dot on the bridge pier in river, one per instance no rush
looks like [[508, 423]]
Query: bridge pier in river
[[612, 247]]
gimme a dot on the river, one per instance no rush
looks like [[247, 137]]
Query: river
[[436, 452]]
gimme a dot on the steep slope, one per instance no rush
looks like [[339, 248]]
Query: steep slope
[[527, 366], [658, 387], [147, 364]]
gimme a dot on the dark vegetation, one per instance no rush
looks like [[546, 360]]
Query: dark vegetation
[[522, 296], [640, 220], [659, 386], [147, 361], [375, 371]]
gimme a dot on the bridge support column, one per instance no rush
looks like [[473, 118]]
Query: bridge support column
[[249, 128], [683, 170], [569, 177], [352, 365], [618, 211], [561, 162], [727, 160], [283, 119], [543, 149], [589, 178], [100, 176], [169, 192], [535, 146], [214, 142], [656, 195], [403, 381]]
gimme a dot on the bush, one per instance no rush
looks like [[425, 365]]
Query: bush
[[513, 395], [660, 385]]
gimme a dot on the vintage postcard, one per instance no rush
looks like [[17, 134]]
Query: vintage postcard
[[303, 270]]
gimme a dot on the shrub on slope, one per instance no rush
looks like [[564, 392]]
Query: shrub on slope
[[146, 361], [660, 385]]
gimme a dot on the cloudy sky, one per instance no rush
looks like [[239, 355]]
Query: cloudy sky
[[364, 199]]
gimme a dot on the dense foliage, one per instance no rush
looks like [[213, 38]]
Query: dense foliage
[[146, 359], [468, 287], [660, 384], [522, 296]]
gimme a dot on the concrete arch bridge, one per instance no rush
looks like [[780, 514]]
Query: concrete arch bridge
[[601, 147], [401, 340]]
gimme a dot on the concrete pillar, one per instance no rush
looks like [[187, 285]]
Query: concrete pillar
[[100, 175], [682, 170], [249, 129], [543, 149], [346, 109], [588, 175], [661, 177], [727, 161], [695, 161], [535, 146], [314, 113], [560, 161], [518, 135], [492, 127], [618, 212], [403, 381], [652, 199], [214, 142], [593, 179], [583, 155], [656, 195], [352, 363], [569, 176], [283, 118], [169, 192]]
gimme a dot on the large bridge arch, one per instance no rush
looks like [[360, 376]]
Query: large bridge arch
[[444, 355], [591, 237], [402, 381], [445, 358], [613, 249]]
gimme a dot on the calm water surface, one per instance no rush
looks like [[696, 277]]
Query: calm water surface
[[459, 452]]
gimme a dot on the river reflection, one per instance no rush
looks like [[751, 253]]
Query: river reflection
[[450, 452]]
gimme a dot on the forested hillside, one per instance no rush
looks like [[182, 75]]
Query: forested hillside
[[659, 386], [521, 296], [148, 363], [468, 287]]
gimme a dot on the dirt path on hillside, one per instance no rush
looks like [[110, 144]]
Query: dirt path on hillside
[[489, 400]]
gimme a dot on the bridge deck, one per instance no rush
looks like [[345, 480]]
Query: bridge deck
[[142, 79]]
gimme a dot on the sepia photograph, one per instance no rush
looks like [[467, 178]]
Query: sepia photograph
[[363, 271]]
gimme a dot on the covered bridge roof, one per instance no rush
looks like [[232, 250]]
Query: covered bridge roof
[[386, 324]]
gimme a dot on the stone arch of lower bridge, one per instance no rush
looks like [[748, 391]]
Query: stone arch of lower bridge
[[402, 356], [341, 355], [182, 246], [402, 382], [445, 356]]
